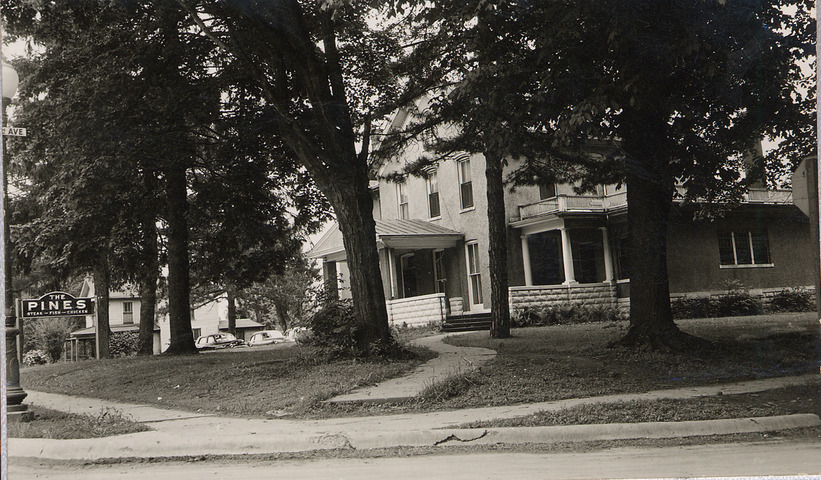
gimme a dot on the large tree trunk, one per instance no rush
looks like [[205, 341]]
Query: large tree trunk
[[497, 246], [148, 308], [354, 211], [232, 310], [148, 276], [101, 289], [179, 304], [649, 203], [282, 314], [327, 145]]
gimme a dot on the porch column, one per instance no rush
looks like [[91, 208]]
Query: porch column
[[567, 257], [526, 261], [608, 258], [329, 273], [392, 271]]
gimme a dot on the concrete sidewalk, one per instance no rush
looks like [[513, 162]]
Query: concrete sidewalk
[[450, 360], [180, 433]]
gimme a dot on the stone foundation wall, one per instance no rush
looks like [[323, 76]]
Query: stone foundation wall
[[417, 311], [457, 305], [601, 294]]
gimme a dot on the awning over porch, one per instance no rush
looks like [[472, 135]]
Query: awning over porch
[[394, 233]]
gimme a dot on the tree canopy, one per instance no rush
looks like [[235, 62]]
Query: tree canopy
[[670, 96]]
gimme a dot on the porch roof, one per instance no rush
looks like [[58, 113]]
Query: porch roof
[[121, 327], [393, 233]]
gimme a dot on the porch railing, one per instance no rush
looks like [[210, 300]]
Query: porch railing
[[417, 311], [573, 203], [606, 203]]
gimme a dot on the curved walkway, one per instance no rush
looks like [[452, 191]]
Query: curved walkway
[[450, 360]]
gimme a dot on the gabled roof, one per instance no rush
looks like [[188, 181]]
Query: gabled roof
[[394, 233]]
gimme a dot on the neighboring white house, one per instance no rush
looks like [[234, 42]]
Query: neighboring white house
[[124, 306]]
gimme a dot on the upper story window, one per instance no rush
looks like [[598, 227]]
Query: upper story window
[[465, 183], [737, 248], [547, 191], [402, 198], [433, 195], [128, 312]]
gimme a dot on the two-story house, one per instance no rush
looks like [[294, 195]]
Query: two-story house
[[432, 235]]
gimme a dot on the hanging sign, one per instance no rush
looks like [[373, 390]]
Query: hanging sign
[[57, 304]]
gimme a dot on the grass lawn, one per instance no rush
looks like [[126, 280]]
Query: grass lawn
[[574, 361], [782, 401], [286, 379], [551, 363], [48, 423], [536, 364]]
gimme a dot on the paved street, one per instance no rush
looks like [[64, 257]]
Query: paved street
[[744, 460]]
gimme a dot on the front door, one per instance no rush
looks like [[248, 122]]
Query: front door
[[408, 271]]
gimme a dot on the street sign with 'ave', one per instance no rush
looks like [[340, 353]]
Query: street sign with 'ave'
[[14, 131]]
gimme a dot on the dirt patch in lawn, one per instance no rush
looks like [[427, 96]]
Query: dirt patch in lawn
[[46, 423]]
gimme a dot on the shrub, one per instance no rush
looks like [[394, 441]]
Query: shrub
[[792, 300], [737, 303], [334, 328], [567, 313], [733, 303], [36, 357], [334, 331], [686, 307], [123, 344], [48, 334]]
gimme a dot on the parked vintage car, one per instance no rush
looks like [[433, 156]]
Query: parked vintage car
[[266, 337], [218, 340]]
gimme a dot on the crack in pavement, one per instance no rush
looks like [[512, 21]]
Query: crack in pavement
[[452, 437]]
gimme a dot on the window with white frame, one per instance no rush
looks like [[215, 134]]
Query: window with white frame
[[433, 195], [547, 190], [465, 183], [128, 312], [402, 198], [474, 275], [738, 248]]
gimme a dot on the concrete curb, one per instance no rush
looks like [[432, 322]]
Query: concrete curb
[[160, 444]]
